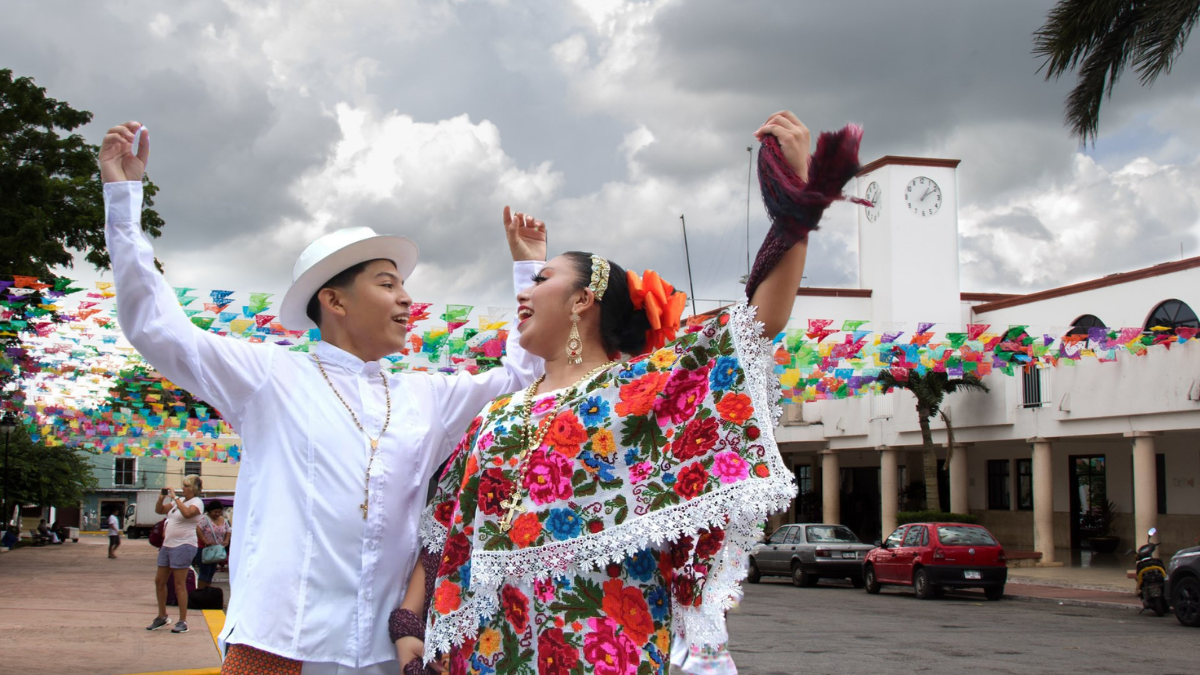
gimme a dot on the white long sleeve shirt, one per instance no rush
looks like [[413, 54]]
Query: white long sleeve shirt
[[310, 578]]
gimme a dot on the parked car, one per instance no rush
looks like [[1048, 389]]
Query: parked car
[[809, 552], [1183, 585], [932, 557]]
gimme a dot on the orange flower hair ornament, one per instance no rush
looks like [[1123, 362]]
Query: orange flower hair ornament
[[662, 303]]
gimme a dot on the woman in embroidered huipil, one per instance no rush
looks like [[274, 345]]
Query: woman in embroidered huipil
[[584, 520]]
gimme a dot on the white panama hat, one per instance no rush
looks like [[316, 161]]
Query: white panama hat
[[333, 254]]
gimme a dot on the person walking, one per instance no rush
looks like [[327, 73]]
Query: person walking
[[213, 530], [178, 549], [114, 534]]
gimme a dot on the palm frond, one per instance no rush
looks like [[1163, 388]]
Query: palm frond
[[1166, 28]]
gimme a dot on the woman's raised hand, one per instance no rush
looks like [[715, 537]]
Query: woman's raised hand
[[793, 137], [117, 161], [526, 236]]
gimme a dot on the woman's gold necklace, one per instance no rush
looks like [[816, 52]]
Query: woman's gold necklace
[[513, 504], [387, 393]]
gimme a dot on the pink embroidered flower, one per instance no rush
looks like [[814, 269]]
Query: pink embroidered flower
[[609, 653], [548, 477], [682, 395], [543, 589], [486, 441], [730, 467], [639, 472], [543, 406]]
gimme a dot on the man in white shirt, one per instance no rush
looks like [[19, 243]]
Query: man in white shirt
[[114, 533], [336, 450]]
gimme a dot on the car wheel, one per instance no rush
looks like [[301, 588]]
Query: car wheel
[[993, 592], [754, 575], [858, 582], [1186, 599], [921, 585], [870, 582], [802, 578]]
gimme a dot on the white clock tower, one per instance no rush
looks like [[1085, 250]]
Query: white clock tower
[[908, 242]]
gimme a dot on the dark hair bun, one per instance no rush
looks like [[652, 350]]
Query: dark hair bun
[[622, 327]]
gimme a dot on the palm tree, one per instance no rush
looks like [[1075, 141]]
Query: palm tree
[[1100, 38], [931, 389]]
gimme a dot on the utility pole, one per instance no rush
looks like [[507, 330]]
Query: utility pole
[[688, 256], [7, 425]]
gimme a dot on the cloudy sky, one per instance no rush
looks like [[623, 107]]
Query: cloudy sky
[[274, 122]]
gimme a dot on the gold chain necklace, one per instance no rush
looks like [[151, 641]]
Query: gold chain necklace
[[387, 393], [513, 504]]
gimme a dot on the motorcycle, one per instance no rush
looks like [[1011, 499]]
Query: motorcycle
[[1151, 577]]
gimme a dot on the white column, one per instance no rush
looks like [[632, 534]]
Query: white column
[[1145, 487], [959, 480], [889, 488], [831, 488], [1043, 499]]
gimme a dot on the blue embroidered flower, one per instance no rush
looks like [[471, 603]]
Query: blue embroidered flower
[[564, 524], [659, 601], [593, 411], [631, 456], [479, 667], [465, 573], [723, 373], [500, 430], [668, 479], [641, 565], [563, 583]]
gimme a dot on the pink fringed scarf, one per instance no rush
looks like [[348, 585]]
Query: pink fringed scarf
[[794, 206]]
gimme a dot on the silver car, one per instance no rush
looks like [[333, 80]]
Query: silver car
[[808, 552]]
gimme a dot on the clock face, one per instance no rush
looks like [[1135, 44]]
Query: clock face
[[873, 195], [923, 196]]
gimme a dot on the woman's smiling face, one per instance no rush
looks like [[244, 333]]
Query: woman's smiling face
[[544, 312]]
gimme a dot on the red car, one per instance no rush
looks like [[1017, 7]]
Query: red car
[[932, 557]]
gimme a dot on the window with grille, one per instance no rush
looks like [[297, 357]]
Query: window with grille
[[192, 468], [998, 491], [1024, 484], [125, 471], [1031, 380]]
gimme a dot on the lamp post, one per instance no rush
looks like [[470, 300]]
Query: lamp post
[[7, 425]]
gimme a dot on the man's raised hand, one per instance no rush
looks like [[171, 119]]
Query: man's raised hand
[[117, 161]]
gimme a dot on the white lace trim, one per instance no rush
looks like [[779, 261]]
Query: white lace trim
[[739, 508], [432, 533]]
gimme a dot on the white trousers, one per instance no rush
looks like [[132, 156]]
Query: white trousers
[[385, 668]]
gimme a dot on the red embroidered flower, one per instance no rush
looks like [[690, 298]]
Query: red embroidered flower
[[685, 590], [610, 653], [709, 542], [735, 408], [460, 662], [516, 607], [548, 477], [455, 554], [595, 526], [555, 656], [444, 512], [698, 437], [627, 606], [637, 397], [761, 470], [447, 597], [680, 552], [753, 432], [682, 395], [494, 488], [566, 434], [691, 481], [525, 530]]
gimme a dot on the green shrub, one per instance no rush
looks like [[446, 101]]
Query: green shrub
[[905, 517]]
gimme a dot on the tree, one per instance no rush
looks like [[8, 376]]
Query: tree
[[51, 198], [1100, 38], [48, 476], [931, 390]]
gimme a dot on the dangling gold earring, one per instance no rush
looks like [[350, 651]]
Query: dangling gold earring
[[574, 343]]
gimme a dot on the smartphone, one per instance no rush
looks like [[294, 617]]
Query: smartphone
[[164, 491]]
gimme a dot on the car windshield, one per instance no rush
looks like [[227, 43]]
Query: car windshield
[[826, 534], [961, 535]]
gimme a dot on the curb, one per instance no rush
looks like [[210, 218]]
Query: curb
[[1069, 602]]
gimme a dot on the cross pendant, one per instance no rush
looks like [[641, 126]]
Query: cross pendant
[[363, 506], [513, 504], [374, 445]]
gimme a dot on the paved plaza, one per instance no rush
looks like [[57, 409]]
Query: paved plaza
[[68, 609]]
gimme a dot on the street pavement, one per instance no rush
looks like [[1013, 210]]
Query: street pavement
[[780, 629]]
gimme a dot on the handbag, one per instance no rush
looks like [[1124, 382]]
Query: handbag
[[216, 552], [157, 533]]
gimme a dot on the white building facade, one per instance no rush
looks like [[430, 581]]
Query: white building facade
[[1036, 456]]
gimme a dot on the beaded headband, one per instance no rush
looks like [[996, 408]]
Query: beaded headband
[[599, 282]]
